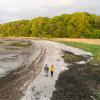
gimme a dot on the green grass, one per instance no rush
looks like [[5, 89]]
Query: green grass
[[94, 49], [71, 58]]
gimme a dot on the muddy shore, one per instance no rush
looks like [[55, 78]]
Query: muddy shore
[[12, 84]]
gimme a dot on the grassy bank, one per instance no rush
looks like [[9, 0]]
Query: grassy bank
[[94, 49]]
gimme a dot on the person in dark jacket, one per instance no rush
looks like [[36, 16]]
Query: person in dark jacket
[[46, 70]]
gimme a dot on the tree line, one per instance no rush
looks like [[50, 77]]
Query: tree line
[[76, 25]]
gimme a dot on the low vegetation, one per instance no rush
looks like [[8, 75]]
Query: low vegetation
[[9, 48], [1, 42], [70, 57], [20, 44], [80, 24], [80, 82], [94, 49]]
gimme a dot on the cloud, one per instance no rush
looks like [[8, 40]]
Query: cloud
[[26, 9]]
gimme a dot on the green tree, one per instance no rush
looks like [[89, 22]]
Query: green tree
[[80, 24]]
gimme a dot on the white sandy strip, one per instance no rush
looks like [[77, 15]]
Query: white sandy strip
[[41, 88]]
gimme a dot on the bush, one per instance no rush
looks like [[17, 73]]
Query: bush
[[80, 82]]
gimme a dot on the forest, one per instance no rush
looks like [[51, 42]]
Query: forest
[[76, 25]]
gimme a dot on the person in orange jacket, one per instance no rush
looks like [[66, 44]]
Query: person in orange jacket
[[52, 69]]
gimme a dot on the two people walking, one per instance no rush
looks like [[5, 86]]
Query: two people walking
[[46, 70]]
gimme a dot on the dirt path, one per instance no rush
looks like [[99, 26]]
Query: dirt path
[[41, 88]]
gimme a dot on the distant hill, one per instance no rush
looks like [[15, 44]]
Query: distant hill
[[76, 25]]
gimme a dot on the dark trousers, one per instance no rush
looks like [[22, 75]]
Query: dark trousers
[[51, 73], [46, 73]]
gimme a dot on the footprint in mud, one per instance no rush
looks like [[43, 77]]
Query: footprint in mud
[[37, 95], [45, 87], [45, 96], [33, 89], [58, 59]]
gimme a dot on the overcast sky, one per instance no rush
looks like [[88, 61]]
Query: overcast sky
[[11, 10]]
